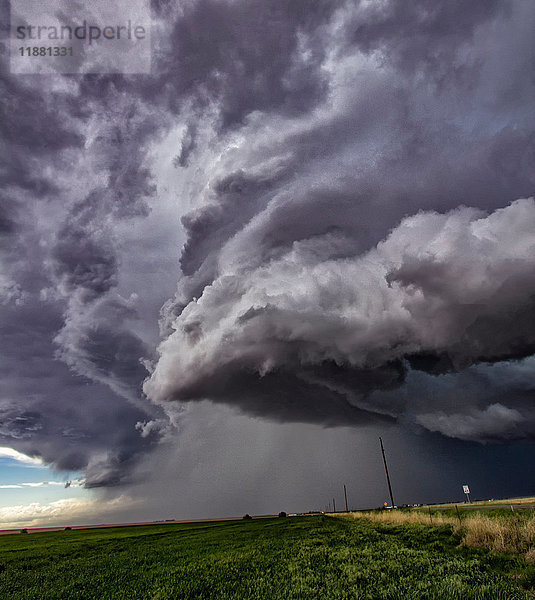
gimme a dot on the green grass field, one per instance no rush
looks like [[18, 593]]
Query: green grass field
[[298, 557]]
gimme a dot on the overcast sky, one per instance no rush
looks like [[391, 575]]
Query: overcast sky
[[310, 226]]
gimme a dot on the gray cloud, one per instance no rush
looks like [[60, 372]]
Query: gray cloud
[[417, 34], [316, 160], [45, 410], [219, 50], [71, 370], [456, 286], [495, 421], [281, 285]]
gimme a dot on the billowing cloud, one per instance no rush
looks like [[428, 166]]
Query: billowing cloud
[[351, 184], [442, 292], [71, 361]]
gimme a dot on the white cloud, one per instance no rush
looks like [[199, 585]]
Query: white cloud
[[42, 483], [6, 452], [64, 511], [38, 484]]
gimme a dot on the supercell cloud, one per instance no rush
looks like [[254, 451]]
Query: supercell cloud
[[316, 212], [375, 243], [442, 293]]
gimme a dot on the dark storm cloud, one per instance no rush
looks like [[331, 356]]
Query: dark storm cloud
[[238, 198], [458, 286], [96, 342], [299, 253], [72, 173], [301, 135], [432, 157], [45, 411], [8, 222], [33, 127], [422, 33], [215, 53], [85, 261], [247, 55], [287, 396]]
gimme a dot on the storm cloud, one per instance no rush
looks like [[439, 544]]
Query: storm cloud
[[334, 254], [330, 202], [455, 288]]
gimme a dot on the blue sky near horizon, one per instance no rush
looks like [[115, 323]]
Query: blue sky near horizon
[[48, 485]]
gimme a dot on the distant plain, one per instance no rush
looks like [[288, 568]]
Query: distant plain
[[319, 557]]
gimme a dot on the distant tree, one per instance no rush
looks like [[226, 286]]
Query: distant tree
[[247, 516], [282, 514]]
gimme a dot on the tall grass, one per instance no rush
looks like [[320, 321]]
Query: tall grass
[[502, 533]]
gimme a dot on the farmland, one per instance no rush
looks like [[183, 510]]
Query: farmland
[[292, 558]]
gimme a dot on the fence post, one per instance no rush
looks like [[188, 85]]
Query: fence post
[[458, 515]]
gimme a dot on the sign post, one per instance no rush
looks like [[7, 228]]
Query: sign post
[[466, 490]]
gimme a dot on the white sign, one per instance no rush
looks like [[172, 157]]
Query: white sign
[[466, 489]]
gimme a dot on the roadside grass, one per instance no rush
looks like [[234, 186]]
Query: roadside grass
[[287, 558], [499, 530]]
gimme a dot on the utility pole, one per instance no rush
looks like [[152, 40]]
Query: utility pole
[[386, 471], [345, 496], [334, 506]]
